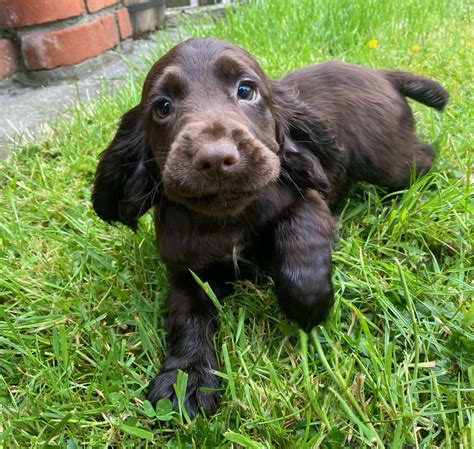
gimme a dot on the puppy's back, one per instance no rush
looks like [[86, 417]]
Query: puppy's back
[[369, 114], [358, 96], [349, 96]]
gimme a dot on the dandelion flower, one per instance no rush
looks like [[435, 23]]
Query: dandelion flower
[[373, 43], [415, 48]]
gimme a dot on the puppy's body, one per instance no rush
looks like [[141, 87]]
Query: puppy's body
[[245, 171], [370, 118]]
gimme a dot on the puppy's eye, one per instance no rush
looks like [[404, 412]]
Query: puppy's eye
[[163, 108], [246, 92]]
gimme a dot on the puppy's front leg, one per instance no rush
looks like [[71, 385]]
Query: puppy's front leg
[[303, 260], [191, 322]]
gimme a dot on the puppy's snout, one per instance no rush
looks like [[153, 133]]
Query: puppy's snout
[[216, 158]]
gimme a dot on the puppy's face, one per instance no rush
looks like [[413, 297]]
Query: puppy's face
[[207, 115]]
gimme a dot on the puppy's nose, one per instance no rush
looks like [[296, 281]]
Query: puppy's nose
[[216, 158]]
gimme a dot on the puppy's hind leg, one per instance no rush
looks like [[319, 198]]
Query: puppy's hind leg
[[423, 156], [414, 167]]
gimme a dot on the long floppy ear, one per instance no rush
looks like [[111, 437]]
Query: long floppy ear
[[310, 152], [127, 180]]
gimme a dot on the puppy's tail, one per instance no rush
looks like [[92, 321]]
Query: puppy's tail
[[421, 89]]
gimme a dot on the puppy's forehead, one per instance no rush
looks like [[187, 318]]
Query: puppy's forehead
[[197, 59], [204, 57]]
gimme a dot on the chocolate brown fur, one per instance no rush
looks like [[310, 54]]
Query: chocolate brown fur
[[245, 172]]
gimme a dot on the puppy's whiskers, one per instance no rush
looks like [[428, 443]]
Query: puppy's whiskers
[[288, 176]]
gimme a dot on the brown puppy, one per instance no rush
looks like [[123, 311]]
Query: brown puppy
[[243, 168]]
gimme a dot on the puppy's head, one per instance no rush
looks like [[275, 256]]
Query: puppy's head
[[207, 109], [204, 134], [207, 134]]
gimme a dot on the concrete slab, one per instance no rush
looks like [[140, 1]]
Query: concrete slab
[[25, 110]]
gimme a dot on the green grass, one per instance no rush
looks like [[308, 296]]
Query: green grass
[[82, 302]]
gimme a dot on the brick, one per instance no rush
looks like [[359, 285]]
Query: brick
[[20, 13], [124, 24], [8, 65], [69, 46], [96, 5]]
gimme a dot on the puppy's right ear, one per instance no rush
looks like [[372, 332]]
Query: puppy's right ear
[[127, 180]]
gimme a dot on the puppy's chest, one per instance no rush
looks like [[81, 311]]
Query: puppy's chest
[[185, 244]]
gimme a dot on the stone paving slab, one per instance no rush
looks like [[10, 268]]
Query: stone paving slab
[[26, 110]]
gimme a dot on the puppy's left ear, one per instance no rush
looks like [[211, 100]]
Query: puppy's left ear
[[309, 149], [127, 179]]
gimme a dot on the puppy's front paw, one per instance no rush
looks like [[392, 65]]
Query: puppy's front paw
[[306, 301], [201, 390], [310, 311]]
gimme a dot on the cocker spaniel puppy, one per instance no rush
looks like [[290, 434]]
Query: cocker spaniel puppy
[[244, 172]]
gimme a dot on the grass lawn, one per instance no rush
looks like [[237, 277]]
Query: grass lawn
[[82, 302]]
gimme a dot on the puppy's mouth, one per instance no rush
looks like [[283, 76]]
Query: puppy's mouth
[[219, 204], [219, 178]]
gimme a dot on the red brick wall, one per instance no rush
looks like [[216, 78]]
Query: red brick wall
[[20, 13], [47, 34], [8, 63], [124, 24], [71, 45], [95, 5]]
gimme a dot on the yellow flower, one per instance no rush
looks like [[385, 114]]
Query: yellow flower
[[415, 48], [373, 43]]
